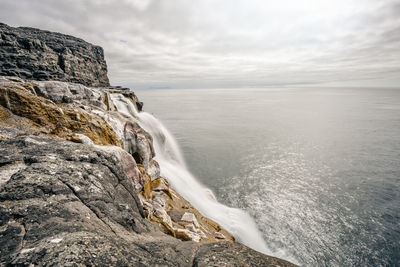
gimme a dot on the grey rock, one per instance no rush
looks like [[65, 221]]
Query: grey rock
[[67, 204], [42, 55], [233, 255], [154, 169], [65, 92], [139, 144]]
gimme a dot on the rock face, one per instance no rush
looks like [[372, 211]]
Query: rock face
[[67, 204], [98, 200], [36, 104], [81, 114], [42, 55]]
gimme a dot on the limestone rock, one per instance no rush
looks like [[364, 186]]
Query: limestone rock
[[175, 215], [42, 55], [154, 169], [234, 254], [68, 204], [62, 92], [139, 143], [128, 164], [22, 108]]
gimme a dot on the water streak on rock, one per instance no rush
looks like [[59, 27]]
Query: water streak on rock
[[173, 167]]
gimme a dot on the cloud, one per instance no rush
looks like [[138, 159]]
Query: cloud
[[228, 43]]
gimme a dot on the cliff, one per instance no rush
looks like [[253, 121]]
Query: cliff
[[80, 184], [41, 55]]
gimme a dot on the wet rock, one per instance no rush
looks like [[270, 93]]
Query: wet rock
[[139, 106], [175, 215], [139, 143], [154, 169], [190, 217]]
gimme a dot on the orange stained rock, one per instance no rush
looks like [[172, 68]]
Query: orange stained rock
[[61, 120], [176, 215]]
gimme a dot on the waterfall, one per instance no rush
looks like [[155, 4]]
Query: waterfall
[[172, 165], [124, 105]]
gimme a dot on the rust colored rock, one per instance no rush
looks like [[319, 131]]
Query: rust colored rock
[[43, 116], [176, 216]]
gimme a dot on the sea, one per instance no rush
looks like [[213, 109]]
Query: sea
[[318, 169]]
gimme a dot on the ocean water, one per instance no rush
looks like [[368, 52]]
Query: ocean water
[[318, 169]]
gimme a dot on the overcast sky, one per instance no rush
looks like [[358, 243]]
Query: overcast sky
[[229, 43]]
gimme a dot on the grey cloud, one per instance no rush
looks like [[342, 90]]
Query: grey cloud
[[222, 43]]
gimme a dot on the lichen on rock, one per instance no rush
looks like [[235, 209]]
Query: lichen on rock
[[43, 116]]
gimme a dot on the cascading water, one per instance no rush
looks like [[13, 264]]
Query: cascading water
[[173, 168]]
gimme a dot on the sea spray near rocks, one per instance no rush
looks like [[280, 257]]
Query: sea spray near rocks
[[172, 166]]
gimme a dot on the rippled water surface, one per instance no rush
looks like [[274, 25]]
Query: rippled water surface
[[318, 169]]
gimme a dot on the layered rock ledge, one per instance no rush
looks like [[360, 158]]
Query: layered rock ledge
[[42, 55]]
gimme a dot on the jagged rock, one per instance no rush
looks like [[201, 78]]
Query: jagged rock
[[128, 164], [177, 216], [128, 93], [234, 254], [67, 204], [42, 55], [61, 92], [154, 169], [190, 217], [138, 143]]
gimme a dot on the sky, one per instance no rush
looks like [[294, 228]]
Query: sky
[[229, 43]]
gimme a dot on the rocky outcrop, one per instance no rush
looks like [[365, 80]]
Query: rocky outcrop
[[79, 181], [42, 55], [77, 113], [66, 204], [100, 199], [22, 106]]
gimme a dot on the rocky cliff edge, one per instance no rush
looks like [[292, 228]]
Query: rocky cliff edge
[[79, 186], [31, 53]]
